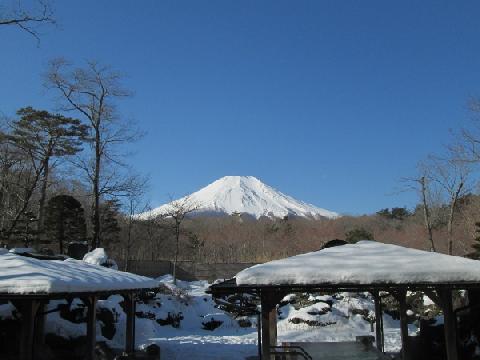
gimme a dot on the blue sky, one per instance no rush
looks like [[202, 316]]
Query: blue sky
[[328, 101]]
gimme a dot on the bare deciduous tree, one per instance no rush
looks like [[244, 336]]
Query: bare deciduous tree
[[92, 92], [467, 143], [176, 212], [452, 175], [420, 184], [134, 204]]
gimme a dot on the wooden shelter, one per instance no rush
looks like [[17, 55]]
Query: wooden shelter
[[30, 283], [363, 267]]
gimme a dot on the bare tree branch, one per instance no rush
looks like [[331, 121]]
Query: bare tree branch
[[28, 20]]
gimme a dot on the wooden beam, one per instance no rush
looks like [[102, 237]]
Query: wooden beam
[[269, 323], [450, 324], [379, 340], [130, 327], [91, 302], [28, 309]]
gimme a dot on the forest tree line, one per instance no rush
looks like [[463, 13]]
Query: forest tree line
[[241, 238], [63, 179]]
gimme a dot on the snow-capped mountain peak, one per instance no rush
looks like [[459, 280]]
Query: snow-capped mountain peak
[[245, 194]]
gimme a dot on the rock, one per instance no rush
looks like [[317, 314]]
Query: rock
[[153, 350], [319, 312], [212, 324], [172, 319], [244, 322], [146, 296], [297, 320], [145, 315]]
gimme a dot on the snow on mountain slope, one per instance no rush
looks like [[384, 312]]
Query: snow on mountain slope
[[245, 194]]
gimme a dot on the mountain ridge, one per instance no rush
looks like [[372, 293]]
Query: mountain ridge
[[245, 195]]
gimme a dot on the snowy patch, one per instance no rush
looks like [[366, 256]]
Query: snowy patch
[[99, 256], [427, 301], [23, 250]]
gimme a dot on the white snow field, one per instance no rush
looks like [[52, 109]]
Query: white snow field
[[245, 194], [366, 262], [21, 275]]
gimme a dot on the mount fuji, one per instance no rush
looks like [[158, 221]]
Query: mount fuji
[[244, 195]]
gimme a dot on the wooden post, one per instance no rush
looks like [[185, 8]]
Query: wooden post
[[91, 326], [28, 309], [39, 340], [401, 297], [378, 321], [130, 327], [259, 337], [450, 324], [269, 323]]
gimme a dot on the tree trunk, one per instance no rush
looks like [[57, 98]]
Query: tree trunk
[[426, 214], [61, 231], [4, 196], [129, 237], [453, 206], [96, 191], [26, 201], [177, 238], [450, 230], [41, 205]]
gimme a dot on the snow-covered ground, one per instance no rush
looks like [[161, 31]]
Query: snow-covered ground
[[340, 322], [231, 341]]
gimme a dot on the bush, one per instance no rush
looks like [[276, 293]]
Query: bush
[[358, 234]]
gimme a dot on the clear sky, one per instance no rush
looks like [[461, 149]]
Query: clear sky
[[328, 101]]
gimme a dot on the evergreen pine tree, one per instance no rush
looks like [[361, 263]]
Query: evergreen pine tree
[[44, 137], [65, 221], [110, 228]]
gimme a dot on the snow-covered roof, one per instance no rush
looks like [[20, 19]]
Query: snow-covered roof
[[25, 275], [365, 263]]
